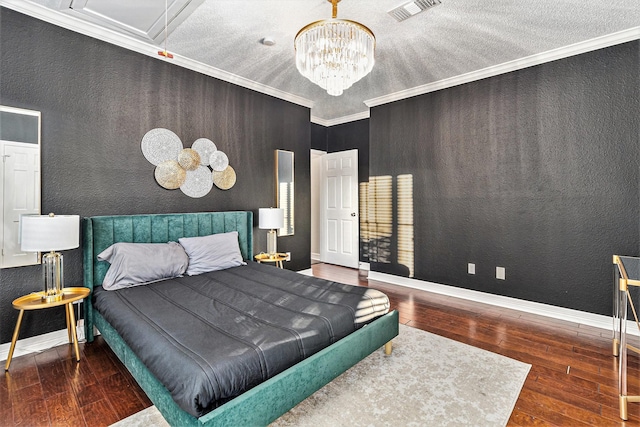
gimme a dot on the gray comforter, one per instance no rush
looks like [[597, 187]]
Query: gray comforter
[[209, 338]]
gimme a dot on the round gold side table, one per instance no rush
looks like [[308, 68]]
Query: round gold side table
[[277, 258], [34, 301]]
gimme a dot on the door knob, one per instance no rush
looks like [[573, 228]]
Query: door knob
[[353, 214]]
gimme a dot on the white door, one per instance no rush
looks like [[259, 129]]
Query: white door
[[21, 195], [339, 227]]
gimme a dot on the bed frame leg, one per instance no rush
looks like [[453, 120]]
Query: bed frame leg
[[388, 348]]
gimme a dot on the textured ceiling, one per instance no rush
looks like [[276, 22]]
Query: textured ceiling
[[449, 40]]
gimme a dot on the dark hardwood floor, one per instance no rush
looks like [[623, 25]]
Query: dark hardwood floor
[[572, 382]]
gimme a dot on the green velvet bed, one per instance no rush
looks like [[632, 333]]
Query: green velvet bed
[[263, 403]]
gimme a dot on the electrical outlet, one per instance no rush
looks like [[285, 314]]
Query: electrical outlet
[[288, 258], [501, 273], [471, 268]]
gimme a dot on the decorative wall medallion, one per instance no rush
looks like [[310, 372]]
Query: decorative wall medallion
[[219, 161], [170, 175], [159, 145], [189, 169], [205, 147], [226, 179], [189, 159], [198, 182]]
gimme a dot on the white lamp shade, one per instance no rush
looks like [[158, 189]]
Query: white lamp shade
[[270, 218], [39, 233]]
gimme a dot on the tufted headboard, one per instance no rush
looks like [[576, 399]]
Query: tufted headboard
[[100, 232]]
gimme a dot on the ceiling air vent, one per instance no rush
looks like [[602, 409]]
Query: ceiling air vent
[[407, 10]]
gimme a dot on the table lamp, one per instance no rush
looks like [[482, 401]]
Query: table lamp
[[41, 233], [271, 219]]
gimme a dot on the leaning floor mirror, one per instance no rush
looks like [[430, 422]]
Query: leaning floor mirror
[[285, 190], [20, 172]]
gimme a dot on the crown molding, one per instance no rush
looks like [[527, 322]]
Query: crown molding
[[340, 120], [72, 23], [518, 64]]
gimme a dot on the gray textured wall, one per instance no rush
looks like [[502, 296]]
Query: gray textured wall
[[535, 171], [97, 101]]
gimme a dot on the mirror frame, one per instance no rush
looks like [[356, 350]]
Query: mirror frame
[[285, 178], [9, 226]]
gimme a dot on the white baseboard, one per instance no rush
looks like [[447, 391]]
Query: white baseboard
[[570, 315], [315, 256], [364, 266], [41, 342]]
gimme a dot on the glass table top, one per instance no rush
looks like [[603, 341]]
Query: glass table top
[[631, 266]]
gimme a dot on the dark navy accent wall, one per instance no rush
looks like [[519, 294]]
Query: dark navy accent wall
[[97, 101], [319, 137], [348, 136], [535, 171]]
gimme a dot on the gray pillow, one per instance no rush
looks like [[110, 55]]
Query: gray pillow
[[213, 252], [135, 264]]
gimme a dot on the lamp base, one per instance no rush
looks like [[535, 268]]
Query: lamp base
[[52, 298], [53, 276], [271, 243]]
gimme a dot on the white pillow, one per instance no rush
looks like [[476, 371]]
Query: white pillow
[[210, 253], [135, 264]]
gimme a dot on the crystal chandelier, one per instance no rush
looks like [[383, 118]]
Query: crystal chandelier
[[335, 53]]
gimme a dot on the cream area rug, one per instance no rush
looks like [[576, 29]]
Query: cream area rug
[[427, 381]]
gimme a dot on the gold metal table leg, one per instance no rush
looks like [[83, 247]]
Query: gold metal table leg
[[623, 408], [66, 312], [72, 321], [13, 340]]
